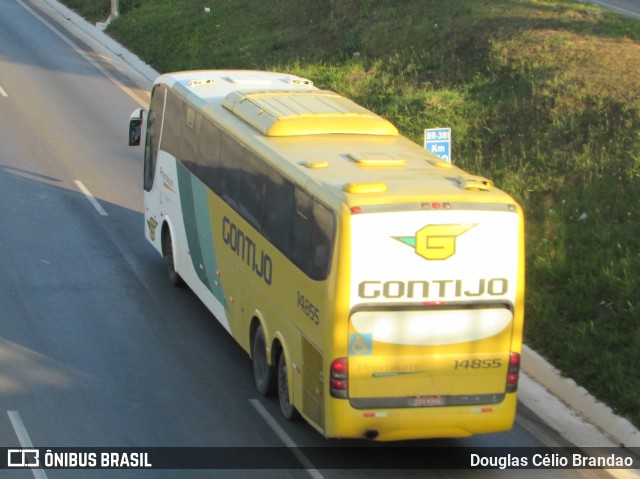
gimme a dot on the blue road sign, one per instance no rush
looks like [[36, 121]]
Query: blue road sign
[[438, 142]]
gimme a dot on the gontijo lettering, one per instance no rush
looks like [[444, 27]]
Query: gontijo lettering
[[242, 245], [441, 288]]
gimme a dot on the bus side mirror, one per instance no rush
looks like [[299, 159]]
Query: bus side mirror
[[135, 126]]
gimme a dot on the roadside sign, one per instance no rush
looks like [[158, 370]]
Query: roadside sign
[[438, 142]]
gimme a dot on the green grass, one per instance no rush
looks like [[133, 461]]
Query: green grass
[[542, 96]]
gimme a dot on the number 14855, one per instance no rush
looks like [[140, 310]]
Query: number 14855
[[477, 364]]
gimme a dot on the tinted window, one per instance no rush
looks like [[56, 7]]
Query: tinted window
[[324, 229], [278, 211], [209, 153], [253, 188], [188, 139], [228, 181], [154, 125], [171, 130], [301, 229]]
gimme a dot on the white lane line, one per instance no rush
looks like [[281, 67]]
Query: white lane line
[[286, 439], [118, 83], [91, 198], [2, 92], [24, 439]]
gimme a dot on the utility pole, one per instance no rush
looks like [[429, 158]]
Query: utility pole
[[115, 9]]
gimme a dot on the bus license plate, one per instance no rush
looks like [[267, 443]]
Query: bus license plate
[[426, 401]]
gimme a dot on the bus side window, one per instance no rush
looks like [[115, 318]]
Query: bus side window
[[152, 141], [228, 181], [322, 241], [252, 189], [209, 153], [301, 230], [278, 213], [171, 130], [188, 146]]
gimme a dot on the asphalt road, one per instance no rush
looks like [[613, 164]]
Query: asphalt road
[[626, 7], [96, 348]]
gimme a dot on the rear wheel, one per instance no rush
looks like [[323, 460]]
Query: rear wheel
[[288, 410], [263, 373], [167, 254]]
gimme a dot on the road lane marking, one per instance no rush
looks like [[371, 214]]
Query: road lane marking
[[2, 92], [91, 198], [286, 439], [102, 70], [24, 439]]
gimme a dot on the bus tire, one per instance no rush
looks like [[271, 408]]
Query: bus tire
[[263, 373], [288, 410], [167, 254]]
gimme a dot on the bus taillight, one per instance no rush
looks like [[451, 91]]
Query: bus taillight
[[338, 383], [514, 372]]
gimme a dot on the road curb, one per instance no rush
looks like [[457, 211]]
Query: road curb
[[616, 429], [142, 74]]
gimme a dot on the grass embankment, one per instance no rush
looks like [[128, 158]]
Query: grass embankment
[[542, 97]]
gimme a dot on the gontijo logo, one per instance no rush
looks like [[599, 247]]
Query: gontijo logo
[[435, 242]]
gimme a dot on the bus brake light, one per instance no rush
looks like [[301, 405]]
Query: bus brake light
[[338, 383], [513, 375]]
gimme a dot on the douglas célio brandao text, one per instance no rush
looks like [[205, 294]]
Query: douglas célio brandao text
[[549, 460]]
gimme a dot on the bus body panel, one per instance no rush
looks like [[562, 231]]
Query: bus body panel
[[419, 423], [173, 201], [231, 268], [432, 317]]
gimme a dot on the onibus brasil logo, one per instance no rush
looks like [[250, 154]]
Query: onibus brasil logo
[[435, 242]]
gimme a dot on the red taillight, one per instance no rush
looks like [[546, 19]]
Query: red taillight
[[514, 360], [435, 206], [338, 383], [514, 372]]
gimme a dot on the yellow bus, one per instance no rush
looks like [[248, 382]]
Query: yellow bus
[[378, 289]]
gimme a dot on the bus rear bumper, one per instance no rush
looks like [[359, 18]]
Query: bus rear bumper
[[420, 423]]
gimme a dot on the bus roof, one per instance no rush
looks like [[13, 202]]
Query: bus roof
[[341, 152]]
